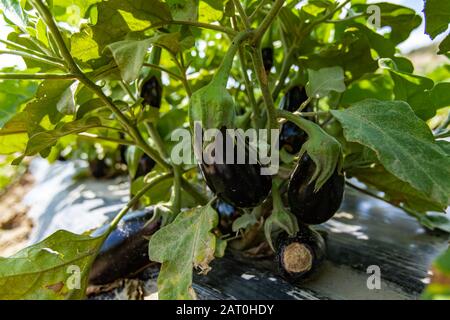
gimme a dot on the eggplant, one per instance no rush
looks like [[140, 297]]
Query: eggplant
[[292, 137], [151, 92], [267, 56], [98, 167], [300, 256], [146, 164], [241, 185], [125, 251], [227, 215], [314, 207]]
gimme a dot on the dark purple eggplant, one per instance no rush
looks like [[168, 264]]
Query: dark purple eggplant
[[99, 169], [314, 207], [227, 215], [151, 92], [299, 256], [241, 185], [125, 251], [292, 137], [267, 56], [146, 164]]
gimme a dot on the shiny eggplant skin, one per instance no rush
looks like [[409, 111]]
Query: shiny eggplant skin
[[125, 251], [227, 215], [241, 185], [146, 164], [292, 137], [299, 256], [267, 56], [151, 92], [310, 207]]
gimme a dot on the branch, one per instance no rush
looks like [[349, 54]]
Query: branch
[[33, 57], [36, 76], [268, 20], [155, 66], [242, 14], [202, 25]]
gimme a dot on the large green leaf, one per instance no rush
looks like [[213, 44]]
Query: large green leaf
[[444, 47], [13, 135], [396, 191], [437, 17], [401, 20], [185, 10], [323, 81], [13, 93], [413, 89], [129, 54], [184, 244], [56, 268], [403, 143], [116, 19], [13, 12], [46, 139]]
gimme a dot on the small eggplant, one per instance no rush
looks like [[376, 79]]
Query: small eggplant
[[98, 167], [300, 256], [146, 164], [151, 92], [267, 56], [227, 215], [125, 251], [314, 207], [292, 137], [241, 185]]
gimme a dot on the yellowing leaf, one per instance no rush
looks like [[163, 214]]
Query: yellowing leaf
[[184, 244]]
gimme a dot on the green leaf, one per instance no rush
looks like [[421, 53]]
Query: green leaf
[[377, 86], [208, 13], [444, 47], [323, 81], [403, 143], [116, 19], [439, 288], [244, 221], [45, 139], [400, 20], [49, 269], [67, 105], [13, 135], [437, 17], [71, 11], [413, 89], [13, 12], [133, 156], [155, 195], [13, 93], [396, 191], [184, 244], [129, 54], [184, 10], [440, 95]]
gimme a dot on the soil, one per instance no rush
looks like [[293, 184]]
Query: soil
[[15, 226]]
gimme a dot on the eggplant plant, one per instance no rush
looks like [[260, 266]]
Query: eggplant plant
[[123, 79]]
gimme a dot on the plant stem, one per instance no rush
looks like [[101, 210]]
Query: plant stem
[[248, 86], [214, 27], [328, 16], [264, 85], [90, 136], [36, 76], [30, 51], [287, 63], [50, 22], [242, 14], [135, 200], [33, 57], [155, 66], [189, 188], [265, 24], [127, 90], [259, 7]]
